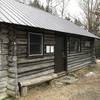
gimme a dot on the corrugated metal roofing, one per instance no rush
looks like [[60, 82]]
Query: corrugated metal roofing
[[17, 13]]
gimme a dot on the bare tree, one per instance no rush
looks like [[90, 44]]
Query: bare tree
[[49, 6], [63, 8], [78, 22], [62, 5], [90, 9], [58, 6], [21, 1]]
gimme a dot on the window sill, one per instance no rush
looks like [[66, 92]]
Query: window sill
[[35, 56]]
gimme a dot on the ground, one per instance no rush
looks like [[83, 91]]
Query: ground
[[86, 88]]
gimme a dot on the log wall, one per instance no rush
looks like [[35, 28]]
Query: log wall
[[16, 66], [81, 59], [8, 62], [12, 83], [3, 61], [32, 67]]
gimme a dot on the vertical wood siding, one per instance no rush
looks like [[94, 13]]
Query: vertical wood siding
[[35, 66]]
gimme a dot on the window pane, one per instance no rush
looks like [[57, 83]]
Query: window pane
[[74, 45], [52, 49], [47, 49], [35, 44]]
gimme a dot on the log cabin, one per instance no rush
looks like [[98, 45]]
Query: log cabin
[[36, 46]]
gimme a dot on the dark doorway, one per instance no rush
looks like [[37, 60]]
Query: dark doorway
[[60, 54]]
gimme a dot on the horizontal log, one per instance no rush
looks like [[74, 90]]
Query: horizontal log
[[12, 70], [70, 69], [3, 73], [21, 61], [3, 82], [21, 55], [11, 87], [11, 75], [78, 63], [11, 81], [2, 86], [3, 90], [35, 75], [4, 79], [79, 57], [80, 53], [21, 48], [35, 63], [35, 72], [11, 93], [21, 42], [80, 60], [34, 67], [3, 96], [3, 67], [79, 66]]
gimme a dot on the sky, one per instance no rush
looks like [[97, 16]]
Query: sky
[[73, 9]]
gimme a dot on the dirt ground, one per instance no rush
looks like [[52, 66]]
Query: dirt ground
[[86, 88]]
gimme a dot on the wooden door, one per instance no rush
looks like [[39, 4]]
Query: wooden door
[[60, 56]]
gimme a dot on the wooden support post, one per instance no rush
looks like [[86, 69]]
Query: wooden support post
[[24, 91]]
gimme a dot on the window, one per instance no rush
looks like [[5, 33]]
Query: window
[[49, 49], [74, 45], [86, 44], [35, 44]]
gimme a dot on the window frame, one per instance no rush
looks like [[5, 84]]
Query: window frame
[[71, 52], [40, 34]]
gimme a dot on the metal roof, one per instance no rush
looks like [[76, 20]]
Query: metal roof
[[21, 14]]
